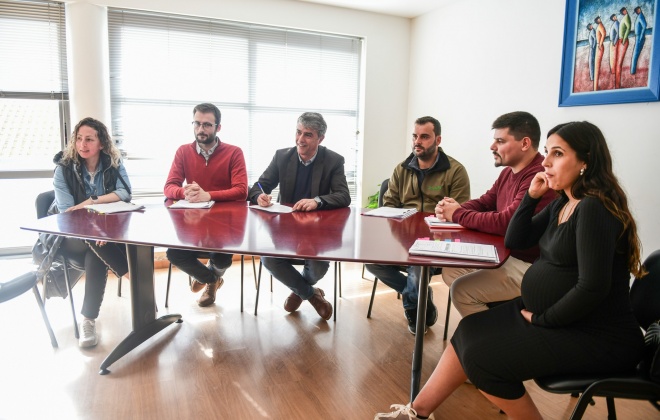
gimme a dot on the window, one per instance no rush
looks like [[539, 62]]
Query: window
[[33, 109], [262, 78]]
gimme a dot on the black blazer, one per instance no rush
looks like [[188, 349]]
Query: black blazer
[[328, 178]]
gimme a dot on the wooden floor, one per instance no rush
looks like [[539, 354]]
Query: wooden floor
[[221, 363]]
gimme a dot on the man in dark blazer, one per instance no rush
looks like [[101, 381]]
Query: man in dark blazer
[[311, 177]]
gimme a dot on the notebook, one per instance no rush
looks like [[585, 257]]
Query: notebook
[[185, 204], [435, 223], [116, 207], [462, 250], [392, 212]]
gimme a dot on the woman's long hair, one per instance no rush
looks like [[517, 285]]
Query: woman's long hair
[[71, 154], [599, 181]]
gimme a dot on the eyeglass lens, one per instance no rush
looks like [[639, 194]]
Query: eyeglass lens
[[206, 125]]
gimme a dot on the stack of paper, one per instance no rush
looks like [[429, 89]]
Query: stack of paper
[[391, 212], [273, 208], [435, 223], [185, 204], [463, 250], [116, 207]]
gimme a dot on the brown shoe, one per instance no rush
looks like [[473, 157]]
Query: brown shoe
[[196, 286], [292, 302], [322, 306], [208, 297]]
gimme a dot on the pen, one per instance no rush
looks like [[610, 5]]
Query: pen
[[261, 188]]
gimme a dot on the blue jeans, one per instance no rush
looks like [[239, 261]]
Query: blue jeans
[[408, 286], [187, 261], [299, 283]]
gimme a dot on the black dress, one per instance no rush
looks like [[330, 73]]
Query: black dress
[[578, 292]]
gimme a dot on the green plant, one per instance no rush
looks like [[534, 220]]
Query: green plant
[[373, 200]]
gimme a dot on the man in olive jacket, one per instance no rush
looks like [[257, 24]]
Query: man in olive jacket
[[426, 177]]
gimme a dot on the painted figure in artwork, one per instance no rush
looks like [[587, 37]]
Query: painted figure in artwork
[[601, 33], [640, 29], [614, 42], [592, 49], [624, 33]]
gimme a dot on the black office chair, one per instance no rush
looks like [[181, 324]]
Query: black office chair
[[383, 189], [72, 266], [18, 286], [302, 262], [638, 385]]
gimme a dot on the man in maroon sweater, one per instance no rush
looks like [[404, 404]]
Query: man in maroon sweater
[[515, 146], [213, 171]]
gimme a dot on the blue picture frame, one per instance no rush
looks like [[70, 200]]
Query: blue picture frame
[[614, 82]]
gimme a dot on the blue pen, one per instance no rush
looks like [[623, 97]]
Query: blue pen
[[262, 190]]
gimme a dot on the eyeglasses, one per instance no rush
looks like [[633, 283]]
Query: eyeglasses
[[206, 125]]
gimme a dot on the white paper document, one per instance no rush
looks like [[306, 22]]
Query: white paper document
[[273, 208], [463, 250], [185, 204], [116, 207], [392, 212]]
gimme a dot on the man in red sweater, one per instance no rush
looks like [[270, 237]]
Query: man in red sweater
[[515, 146], [213, 171]]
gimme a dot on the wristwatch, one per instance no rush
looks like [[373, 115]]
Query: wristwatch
[[319, 202], [94, 198]]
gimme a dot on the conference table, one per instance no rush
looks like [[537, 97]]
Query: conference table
[[344, 235]]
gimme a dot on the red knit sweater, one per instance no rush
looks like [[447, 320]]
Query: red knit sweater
[[493, 211], [224, 176]]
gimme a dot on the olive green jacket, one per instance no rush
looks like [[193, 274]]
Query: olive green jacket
[[446, 178]]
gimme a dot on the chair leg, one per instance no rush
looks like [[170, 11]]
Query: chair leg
[[363, 265], [611, 410], [334, 308], [167, 290], [444, 337], [373, 294], [40, 302], [242, 273], [254, 271], [339, 269], [73, 307], [256, 301], [119, 285]]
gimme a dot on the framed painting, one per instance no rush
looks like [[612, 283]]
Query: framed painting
[[611, 53]]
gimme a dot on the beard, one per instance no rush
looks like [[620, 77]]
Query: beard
[[425, 153], [208, 140], [498, 160]]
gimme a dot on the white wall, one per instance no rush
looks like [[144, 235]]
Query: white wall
[[385, 64], [469, 67]]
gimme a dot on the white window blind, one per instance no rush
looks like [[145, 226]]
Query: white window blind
[[262, 78], [33, 110], [33, 85]]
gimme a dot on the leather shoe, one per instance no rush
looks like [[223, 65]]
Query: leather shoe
[[208, 297], [196, 286], [292, 303], [322, 306]]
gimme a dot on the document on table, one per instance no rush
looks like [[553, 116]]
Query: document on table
[[116, 207], [273, 208], [391, 212], [185, 204], [463, 250]]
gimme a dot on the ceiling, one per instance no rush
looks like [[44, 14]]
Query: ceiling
[[403, 8]]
